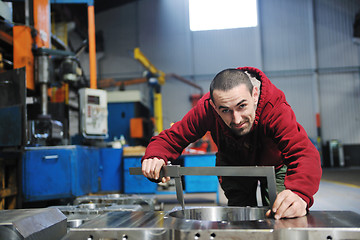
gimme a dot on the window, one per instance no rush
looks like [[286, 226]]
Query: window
[[222, 14]]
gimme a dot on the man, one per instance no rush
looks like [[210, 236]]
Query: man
[[252, 125]]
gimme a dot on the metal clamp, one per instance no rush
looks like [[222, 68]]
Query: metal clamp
[[175, 171]]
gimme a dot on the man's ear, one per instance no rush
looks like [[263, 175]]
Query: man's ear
[[255, 94]]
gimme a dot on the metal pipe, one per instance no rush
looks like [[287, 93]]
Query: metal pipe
[[92, 46], [184, 80], [43, 78], [44, 100]]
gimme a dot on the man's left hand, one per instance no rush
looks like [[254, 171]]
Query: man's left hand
[[288, 205]]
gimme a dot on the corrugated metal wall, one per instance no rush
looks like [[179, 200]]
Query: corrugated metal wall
[[338, 61], [288, 45]]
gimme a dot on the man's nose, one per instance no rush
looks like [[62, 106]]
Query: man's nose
[[237, 117]]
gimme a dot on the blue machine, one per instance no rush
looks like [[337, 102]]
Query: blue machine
[[111, 169], [70, 171], [122, 107], [136, 183]]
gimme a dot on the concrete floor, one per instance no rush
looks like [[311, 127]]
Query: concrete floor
[[339, 191]]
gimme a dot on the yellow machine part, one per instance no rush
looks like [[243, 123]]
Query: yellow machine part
[[158, 112]]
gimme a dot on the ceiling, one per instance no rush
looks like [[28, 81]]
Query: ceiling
[[76, 13], [102, 5], [70, 12]]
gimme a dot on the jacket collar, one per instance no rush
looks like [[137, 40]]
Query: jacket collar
[[264, 90]]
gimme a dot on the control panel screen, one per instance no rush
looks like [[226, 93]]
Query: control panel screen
[[93, 100]]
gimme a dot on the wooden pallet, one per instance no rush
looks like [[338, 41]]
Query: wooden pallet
[[8, 183]]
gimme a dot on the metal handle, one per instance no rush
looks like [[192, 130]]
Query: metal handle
[[51, 157]]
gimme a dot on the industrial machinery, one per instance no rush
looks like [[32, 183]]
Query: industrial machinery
[[52, 70], [96, 222], [217, 222], [40, 78], [99, 217]]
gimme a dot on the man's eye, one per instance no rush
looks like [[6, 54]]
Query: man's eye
[[242, 105], [225, 110]]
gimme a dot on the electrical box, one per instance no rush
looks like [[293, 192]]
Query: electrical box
[[93, 113]]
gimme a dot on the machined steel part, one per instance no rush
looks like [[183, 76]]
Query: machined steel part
[[164, 225], [148, 202], [220, 214], [39, 224], [79, 214], [176, 172]]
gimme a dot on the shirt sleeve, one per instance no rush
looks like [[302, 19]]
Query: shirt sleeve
[[170, 143], [298, 152]]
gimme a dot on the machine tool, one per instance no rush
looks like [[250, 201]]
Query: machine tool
[[234, 223], [217, 222]]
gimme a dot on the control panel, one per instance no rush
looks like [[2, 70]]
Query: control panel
[[93, 113]]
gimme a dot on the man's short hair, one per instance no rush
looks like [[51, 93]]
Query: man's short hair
[[228, 79]]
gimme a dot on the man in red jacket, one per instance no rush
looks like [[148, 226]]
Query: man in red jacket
[[252, 125]]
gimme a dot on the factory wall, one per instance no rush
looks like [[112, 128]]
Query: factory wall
[[305, 47]]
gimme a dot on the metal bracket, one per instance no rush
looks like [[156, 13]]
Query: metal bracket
[[176, 172]]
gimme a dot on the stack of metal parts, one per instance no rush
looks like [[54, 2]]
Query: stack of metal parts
[[218, 223], [39, 224], [148, 202]]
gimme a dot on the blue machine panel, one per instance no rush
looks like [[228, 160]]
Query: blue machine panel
[[119, 115], [136, 183], [111, 169], [119, 119], [60, 172], [197, 184], [85, 170], [46, 174]]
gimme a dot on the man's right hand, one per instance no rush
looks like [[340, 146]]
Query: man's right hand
[[151, 168]]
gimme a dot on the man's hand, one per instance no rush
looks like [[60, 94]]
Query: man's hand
[[288, 205], [151, 168]]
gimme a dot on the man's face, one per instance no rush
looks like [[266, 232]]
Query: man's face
[[236, 107]]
